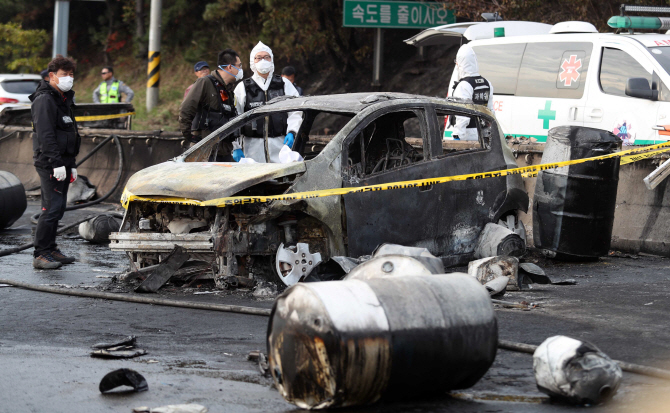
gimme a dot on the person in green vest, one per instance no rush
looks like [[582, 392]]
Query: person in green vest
[[109, 91]]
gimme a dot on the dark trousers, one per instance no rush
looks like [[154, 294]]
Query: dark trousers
[[54, 200]]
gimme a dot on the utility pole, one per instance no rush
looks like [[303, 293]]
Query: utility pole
[[378, 57], [61, 22], [154, 66]]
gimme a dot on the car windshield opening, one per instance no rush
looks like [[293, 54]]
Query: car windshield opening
[[314, 130]]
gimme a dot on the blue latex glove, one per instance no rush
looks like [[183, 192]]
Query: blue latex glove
[[288, 140], [238, 154]]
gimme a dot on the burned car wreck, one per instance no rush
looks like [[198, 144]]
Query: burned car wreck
[[375, 139]]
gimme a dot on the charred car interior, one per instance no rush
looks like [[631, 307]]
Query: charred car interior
[[373, 139]]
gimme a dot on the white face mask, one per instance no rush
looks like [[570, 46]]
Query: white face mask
[[240, 74], [65, 83], [264, 67]]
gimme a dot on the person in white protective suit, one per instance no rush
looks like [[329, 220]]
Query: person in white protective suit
[[263, 86], [470, 85]]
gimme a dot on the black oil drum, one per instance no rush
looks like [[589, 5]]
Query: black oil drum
[[347, 343], [573, 206], [12, 199]]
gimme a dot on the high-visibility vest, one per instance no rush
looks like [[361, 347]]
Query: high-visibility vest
[[112, 96]]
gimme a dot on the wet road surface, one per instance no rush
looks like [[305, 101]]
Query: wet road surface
[[196, 356]]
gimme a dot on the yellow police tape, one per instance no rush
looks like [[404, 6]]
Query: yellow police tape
[[526, 172], [102, 117]]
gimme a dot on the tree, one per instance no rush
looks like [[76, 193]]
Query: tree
[[19, 49]]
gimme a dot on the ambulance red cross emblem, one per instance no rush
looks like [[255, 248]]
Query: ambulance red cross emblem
[[570, 70]]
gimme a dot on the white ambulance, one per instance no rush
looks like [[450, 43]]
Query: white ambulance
[[569, 74]]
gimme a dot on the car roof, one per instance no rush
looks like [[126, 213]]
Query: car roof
[[349, 102], [646, 39], [23, 76]]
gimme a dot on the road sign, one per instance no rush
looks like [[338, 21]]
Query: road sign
[[396, 14]]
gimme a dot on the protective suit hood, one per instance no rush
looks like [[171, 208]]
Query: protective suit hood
[[260, 47], [466, 59]]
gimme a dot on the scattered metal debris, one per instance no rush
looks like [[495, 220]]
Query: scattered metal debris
[[532, 273], [123, 377], [164, 270], [575, 371], [347, 343], [262, 360], [232, 282], [497, 274], [498, 240], [173, 408], [394, 260]]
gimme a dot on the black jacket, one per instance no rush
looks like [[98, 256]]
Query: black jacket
[[56, 140]]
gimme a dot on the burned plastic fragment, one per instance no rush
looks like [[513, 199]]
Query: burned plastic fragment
[[128, 341], [531, 273], [164, 271], [575, 371], [123, 377], [347, 343]]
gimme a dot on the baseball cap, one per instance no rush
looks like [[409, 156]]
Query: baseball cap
[[198, 66], [44, 73]]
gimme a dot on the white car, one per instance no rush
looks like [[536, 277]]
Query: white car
[[569, 74], [15, 89]]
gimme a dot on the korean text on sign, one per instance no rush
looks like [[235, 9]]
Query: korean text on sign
[[395, 14]]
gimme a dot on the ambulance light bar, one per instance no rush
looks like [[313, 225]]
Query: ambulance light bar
[[635, 22]]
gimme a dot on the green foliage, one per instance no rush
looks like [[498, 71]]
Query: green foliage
[[19, 49], [308, 31]]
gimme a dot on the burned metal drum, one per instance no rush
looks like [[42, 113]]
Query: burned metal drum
[[573, 206], [346, 343], [12, 199]]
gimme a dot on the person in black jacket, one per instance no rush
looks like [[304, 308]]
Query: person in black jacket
[[55, 145]]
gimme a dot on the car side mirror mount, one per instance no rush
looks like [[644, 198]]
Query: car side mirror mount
[[638, 87]]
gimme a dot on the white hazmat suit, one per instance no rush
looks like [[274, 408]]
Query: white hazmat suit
[[254, 148], [466, 61]]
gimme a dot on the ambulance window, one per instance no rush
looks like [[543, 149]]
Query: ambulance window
[[616, 66], [554, 70], [500, 65]]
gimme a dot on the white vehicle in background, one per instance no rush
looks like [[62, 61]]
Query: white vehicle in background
[[569, 74], [15, 89]]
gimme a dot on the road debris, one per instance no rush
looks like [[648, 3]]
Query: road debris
[[123, 377], [354, 342], [574, 371], [164, 270], [97, 229], [497, 274], [122, 349], [128, 341], [497, 240], [120, 352], [173, 408]]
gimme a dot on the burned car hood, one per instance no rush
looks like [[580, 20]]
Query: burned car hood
[[203, 181]]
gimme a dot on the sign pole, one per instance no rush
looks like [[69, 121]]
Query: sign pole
[[61, 21], [154, 65], [378, 58]]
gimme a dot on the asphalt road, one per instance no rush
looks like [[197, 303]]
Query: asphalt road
[[196, 356]]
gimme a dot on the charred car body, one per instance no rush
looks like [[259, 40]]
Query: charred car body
[[373, 145]]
